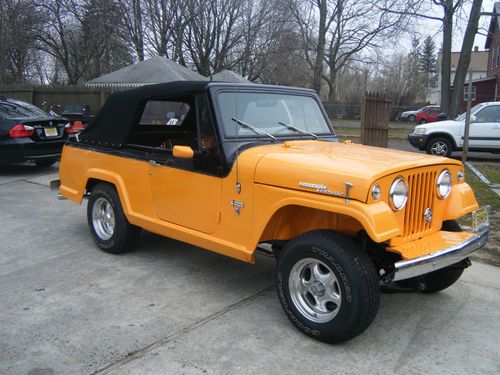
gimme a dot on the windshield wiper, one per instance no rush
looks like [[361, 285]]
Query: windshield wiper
[[305, 132], [253, 128]]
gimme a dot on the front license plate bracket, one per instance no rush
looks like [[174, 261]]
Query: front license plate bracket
[[481, 219]]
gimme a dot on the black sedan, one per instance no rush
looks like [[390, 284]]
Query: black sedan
[[27, 133]]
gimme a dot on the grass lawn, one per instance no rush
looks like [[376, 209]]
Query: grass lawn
[[355, 133], [484, 195], [490, 170]]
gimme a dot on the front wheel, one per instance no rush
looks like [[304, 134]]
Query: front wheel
[[411, 118], [439, 146], [327, 286], [108, 224]]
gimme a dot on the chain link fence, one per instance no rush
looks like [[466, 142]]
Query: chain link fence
[[353, 111]]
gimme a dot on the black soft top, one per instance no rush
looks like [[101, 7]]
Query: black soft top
[[114, 121]]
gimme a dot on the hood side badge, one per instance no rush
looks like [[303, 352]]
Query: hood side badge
[[321, 188]]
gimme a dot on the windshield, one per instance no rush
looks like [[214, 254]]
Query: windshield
[[17, 109], [474, 109], [265, 111]]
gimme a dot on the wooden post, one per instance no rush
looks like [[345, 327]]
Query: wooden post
[[375, 114], [465, 149]]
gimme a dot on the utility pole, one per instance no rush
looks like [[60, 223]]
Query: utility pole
[[467, 119]]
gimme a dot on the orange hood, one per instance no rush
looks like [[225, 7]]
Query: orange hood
[[308, 165]]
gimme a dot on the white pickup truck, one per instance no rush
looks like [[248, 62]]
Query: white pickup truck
[[443, 137]]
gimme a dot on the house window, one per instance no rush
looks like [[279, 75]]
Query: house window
[[466, 92]]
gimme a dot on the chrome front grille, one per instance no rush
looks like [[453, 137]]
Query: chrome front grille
[[421, 195]]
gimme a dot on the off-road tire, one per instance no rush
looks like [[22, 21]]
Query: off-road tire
[[125, 235], [441, 279], [357, 282], [45, 163], [431, 143]]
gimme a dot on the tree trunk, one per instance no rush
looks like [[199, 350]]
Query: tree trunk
[[139, 35], [446, 55], [332, 85], [320, 48], [465, 57]]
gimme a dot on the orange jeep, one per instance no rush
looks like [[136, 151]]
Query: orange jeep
[[236, 168]]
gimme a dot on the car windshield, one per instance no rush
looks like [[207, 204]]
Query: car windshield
[[472, 111], [265, 111], [17, 109]]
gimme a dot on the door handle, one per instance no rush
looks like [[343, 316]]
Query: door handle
[[154, 163]]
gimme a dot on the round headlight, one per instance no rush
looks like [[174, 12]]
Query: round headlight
[[460, 175], [398, 193], [376, 192], [444, 184]]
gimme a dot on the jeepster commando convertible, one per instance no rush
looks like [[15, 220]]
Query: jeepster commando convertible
[[234, 168]]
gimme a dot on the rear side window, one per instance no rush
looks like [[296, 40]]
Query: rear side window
[[17, 109], [489, 114], [162, 112]]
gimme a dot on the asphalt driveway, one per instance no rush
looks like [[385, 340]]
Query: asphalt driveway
[[171, 308]]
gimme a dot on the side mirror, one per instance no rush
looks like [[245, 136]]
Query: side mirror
[[473, 118], [183, 152]]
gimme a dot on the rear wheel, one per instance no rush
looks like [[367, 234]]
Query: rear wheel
[[439, 146], [45, 162], [107, 222], [327, 286]]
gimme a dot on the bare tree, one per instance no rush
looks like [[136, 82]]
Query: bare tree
[[132, 11], [19, 23], [465, 57], [451, 10], [86, 37], [60, 38], [212, 33], [334, 32]]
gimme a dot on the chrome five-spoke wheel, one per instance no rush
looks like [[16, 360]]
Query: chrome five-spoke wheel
[[103, 218], [315, 290], [439, 148]]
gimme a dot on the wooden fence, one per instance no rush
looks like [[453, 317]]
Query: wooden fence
[[44, 95], [375, 114]]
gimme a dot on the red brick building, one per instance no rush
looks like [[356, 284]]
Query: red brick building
[[493, 47]]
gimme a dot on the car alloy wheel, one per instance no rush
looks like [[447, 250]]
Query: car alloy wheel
[[315, 290], [439, 148], [103, 218]]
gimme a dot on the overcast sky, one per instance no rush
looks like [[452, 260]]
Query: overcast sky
[[428, 27]]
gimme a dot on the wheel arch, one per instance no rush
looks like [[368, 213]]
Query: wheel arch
[[441, 134], [94, 177], [290, 218]]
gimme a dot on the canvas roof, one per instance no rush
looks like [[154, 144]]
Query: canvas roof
[[157, 69], [229, 76]]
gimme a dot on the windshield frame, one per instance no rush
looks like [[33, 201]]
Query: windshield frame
[[216, 91]]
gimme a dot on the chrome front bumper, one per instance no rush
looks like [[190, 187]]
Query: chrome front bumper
[[407, 269]]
